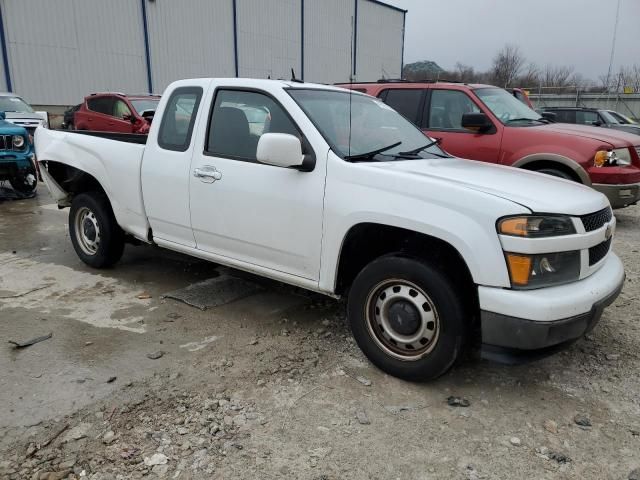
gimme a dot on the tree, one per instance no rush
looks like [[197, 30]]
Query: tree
[[555, 78], [507, 65]]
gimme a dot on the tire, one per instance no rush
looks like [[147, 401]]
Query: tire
[[556, 173], [96, 236], [25, 184], [421, 296]]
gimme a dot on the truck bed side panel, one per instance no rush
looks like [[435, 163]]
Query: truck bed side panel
[[114, 164]]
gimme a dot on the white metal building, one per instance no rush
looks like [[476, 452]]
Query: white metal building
[[55, 52]]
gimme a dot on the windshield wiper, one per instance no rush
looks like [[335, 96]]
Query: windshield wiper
[[541, 120], [415, 151], [371, 154]]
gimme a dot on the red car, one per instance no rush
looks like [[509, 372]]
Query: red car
[[116, 112], [487, 123]]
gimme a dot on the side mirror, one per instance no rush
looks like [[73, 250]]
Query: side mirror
[[129, 117], [478, 122], [597, 123], [3, 116], [280, 149], [148, 115], [549, 116]]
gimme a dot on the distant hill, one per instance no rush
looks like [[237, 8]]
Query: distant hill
[[422, 70]]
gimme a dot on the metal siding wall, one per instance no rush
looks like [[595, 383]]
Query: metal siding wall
[[269, 37], [189, 39], [379, 42], [60, 51], [327, 42]]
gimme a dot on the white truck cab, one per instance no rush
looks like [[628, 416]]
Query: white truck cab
[[334, 191]]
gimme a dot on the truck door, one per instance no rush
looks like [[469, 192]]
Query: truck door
[[256, 214], [166, 165], [442, 120]]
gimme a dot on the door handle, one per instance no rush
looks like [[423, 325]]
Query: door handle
[[207, 174]]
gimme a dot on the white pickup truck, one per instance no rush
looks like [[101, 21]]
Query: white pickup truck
[[333, 191]]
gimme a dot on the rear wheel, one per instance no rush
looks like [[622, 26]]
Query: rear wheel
[[407, 317], [96, 236]]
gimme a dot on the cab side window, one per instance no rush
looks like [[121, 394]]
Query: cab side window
[[446, 109], [238, 120], [120, 109], [587, 118], [179, 118], [565, 116]]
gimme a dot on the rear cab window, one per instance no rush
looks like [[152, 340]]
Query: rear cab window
[[179, 118]]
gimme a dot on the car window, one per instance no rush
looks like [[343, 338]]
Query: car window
[[565, 116], [586, 117], [178, 118], [608, 117], [120, 108], [102, 105], [446, 109], [14, 104], [405, 101], [240, 118], [144, 105]]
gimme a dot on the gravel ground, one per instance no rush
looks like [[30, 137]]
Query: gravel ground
[[272, 386]]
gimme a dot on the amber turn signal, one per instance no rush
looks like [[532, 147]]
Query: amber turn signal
[[519, 268], [601, 158]]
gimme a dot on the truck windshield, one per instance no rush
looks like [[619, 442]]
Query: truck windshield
[[360, 127], [146, 104], [14, 104], [508, 108]]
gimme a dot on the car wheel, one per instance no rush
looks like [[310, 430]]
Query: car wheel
[[407, 317], [556, 173], [96, 236], [25, 184]]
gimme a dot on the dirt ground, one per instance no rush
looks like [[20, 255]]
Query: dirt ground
[[273, 386]]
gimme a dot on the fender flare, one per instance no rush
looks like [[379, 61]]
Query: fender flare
[[554, 157]]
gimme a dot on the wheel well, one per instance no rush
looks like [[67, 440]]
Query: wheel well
[[73, 180], [367, 241], [540, 164]]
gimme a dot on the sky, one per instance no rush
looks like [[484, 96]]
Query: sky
[[576, 33]]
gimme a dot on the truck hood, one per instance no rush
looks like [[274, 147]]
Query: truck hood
[[8, 128], [28, 119], [538, 192], [615, 138]]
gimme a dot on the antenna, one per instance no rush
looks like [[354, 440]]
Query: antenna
[[351, 78], [613, 44], [293, 77]]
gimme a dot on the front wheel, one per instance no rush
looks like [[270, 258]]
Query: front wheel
[[407, 317], [96, 236], [554, 172]]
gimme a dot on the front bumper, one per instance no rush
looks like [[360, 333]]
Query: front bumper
[[555, 316], [619, 195]]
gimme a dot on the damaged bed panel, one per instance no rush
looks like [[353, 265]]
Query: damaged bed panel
[[116, 164]]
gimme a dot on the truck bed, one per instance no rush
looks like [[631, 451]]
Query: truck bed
[[120, 137]]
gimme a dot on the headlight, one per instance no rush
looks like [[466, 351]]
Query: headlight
[[536, 226], [620, 157], [18, 141], [543, 270]]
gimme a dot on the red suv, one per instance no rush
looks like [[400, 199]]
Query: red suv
[[482, 122], [116, 112]]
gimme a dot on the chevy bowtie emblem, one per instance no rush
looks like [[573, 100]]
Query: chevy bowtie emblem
[[608, 232]]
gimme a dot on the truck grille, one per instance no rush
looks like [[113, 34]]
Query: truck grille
[[6, 142], [594, 221], [598, 252]]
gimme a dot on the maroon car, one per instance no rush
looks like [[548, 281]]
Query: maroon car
[[116, 112]]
